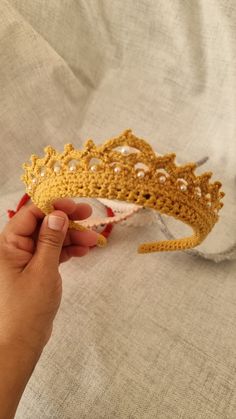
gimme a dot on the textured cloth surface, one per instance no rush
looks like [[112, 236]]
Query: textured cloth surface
[[137, 336]]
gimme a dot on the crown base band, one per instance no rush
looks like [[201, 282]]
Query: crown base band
[[183, 211], [171, 245]]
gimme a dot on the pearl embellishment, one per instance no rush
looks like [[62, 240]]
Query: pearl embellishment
[[117, 169], [141, 174], [183, 187], [72, 165], [124, 150], [162, 179], [56, 167], [93, 168], [43, 171], [198, 192], [72, 168]]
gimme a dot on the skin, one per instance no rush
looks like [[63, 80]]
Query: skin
[[31, 289]]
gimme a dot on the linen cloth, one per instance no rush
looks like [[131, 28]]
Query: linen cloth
[[137, 336]]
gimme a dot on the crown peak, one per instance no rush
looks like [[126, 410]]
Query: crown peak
[[50, 150], [68, 148], [127, 133], [205, 176], [89, 144], [217, 184], [33, 158]]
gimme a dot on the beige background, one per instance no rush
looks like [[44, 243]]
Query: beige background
[[149, 336]]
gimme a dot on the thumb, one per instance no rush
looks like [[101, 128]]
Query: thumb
[[50, 239]]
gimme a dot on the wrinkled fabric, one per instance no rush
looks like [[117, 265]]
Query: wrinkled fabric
[[137, 336]]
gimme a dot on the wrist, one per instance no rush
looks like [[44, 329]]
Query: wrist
[[16, 365], [19, 355]]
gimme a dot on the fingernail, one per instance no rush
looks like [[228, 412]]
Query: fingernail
[[55, 222]]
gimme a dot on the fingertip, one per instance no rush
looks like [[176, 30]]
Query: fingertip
[[66, 205], [84, 238], [81, 212], [73, 251], [76, 211]]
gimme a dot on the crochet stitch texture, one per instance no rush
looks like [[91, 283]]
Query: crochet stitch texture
[[126, 168]]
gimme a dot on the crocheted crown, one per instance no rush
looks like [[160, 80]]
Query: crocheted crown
[[126, 168]]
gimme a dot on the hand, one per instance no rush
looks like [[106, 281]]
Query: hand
[[30, 283], [31, 248]]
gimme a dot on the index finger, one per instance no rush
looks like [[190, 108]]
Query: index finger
[[74, 211], [24, 221]]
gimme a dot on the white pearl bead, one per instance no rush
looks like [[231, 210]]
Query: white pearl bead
[[183, 187], [34, 180], [29, 188], [141, 174], [43, 171], [198, 192], [124, 150], [162, 179], [56, 167], [72, 165], [209, 204], [72, 168], [117, 169], [93, 168]]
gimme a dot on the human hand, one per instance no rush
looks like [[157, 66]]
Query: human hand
[[30, 283], [31, 248]]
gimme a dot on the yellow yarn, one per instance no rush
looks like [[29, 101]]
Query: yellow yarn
[[142, 178]]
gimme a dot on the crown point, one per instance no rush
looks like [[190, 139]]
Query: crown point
[[89, 144], [50, 150], [68, 148], [208, 175], [33, 158], [171, 156], [192, 166], [127, 133], [205, 176], [217, 184]]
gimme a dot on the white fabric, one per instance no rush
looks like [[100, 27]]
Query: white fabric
[[137, 336]]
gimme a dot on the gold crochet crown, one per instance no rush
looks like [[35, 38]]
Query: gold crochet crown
[[126, 168]]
